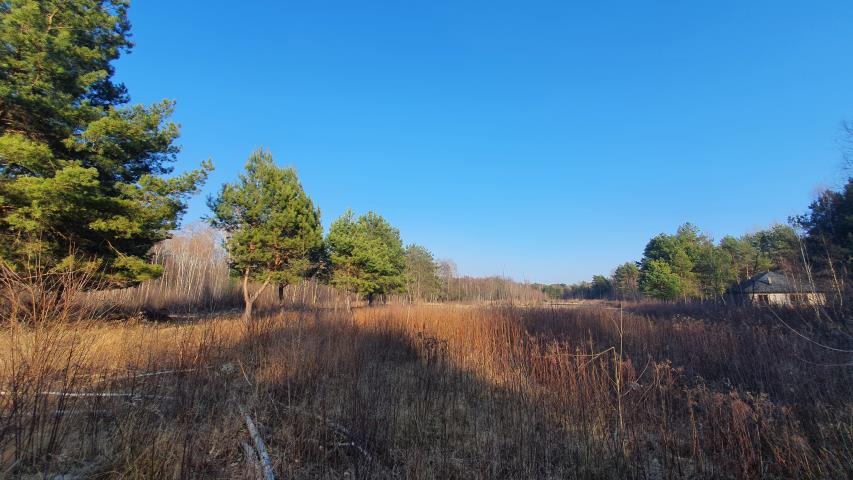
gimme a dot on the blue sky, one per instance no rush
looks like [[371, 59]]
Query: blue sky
[[545, 141]]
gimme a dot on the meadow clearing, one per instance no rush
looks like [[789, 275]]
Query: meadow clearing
[[430, 391], [162, 317]]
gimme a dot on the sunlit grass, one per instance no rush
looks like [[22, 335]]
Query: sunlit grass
[[423, 392]]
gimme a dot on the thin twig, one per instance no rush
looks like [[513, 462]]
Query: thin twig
[[243, 371], [809, 339]]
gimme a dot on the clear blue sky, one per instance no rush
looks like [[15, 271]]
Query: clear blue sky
[[545, 141]]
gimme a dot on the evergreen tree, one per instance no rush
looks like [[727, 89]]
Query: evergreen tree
[[626, 281], [657, 280], [713, 270], [740, 257], [671, 251], [777, 248], [689, 256], [828, 228], [81, 172], [600, 287], [273, 230], [367, 255]]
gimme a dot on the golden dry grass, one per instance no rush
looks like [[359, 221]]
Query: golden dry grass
[[424, 392]]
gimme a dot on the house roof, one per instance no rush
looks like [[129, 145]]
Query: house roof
[[766, 282]]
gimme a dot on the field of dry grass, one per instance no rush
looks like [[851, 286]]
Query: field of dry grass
[[430, 392]]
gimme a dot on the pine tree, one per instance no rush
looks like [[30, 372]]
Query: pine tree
[[367, 255], [657, 280], [81, 172], [626, 281], [273, 230]]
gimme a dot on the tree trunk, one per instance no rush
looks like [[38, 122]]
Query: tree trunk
[[249, 299], [280, 292], [247, 312]]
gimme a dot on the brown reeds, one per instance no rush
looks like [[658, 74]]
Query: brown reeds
[[427, 392]]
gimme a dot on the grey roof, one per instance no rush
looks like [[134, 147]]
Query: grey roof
[[767, 282]]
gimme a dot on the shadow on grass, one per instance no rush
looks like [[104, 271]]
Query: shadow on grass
[[440, 393], [336, 398]]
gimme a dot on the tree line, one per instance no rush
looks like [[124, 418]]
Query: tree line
[[87, 183], [87, 186], [273, 236], [814, 248]]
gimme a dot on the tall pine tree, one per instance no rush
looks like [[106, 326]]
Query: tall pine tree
[[273, 230], [81, 171], [367, 255]]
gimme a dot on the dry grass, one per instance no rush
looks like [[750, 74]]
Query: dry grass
[[427, 392]]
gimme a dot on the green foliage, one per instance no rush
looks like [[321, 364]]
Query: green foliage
[[422, 281], [679, 253], [601, 287], [776, 247], [273, 231], [56, 63], [659, 281], [828, 228], [80, 172], [713, 270], [367, 255], [626, 281], [556, 291], [688, 265], [740, 257]]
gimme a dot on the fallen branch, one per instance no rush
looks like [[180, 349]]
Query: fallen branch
[[251, 459], [144, 375], [62, 413], [259, 444], [87, 394]]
